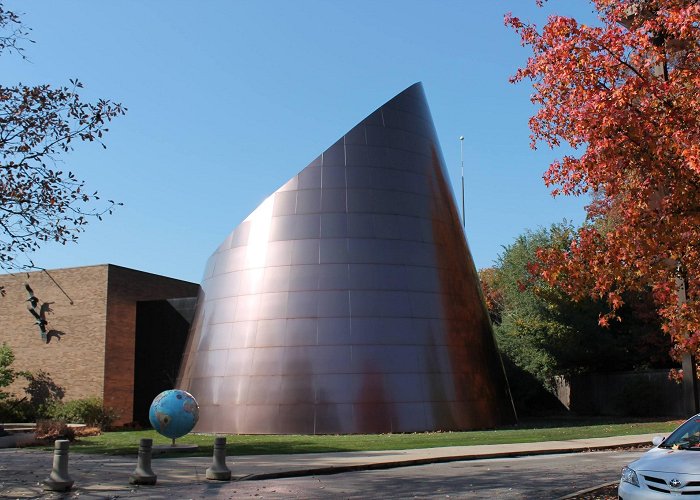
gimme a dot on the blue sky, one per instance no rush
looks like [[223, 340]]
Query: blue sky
[[229, 99]]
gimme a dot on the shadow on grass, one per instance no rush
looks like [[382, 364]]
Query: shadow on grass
[[584, 421], [232, 448]]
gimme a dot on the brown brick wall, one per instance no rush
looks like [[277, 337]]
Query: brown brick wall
[[94, 355], [75, 359], [126, 287]]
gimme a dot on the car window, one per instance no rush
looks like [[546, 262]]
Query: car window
[[687, 436]]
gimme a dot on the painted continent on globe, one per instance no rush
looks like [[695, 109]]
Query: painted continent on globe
[[174, 413]]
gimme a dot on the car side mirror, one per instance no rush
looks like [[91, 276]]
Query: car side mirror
[[657, 440]]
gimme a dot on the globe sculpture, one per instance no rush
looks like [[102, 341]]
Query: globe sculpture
[[174, 413]]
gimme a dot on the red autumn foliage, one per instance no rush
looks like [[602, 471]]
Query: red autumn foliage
[[493, 296], [625, 95]]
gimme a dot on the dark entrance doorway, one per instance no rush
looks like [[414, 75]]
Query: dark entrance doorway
[[161, 334]]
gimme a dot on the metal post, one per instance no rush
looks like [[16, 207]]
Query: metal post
[[461, 156]]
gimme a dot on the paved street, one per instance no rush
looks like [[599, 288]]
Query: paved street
[[532, 477], [539, 477]]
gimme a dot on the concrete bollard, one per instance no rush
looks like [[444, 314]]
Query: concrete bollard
[[218, 470], [143, 474], [59, 480]]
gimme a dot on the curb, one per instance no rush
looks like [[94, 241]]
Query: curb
[[587, 490], [322, 471], [17, 439]]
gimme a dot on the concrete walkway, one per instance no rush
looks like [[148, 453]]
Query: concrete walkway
[[22, 470]]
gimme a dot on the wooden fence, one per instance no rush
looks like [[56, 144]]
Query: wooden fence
[[640, 393]]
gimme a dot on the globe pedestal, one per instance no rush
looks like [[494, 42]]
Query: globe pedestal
[[174, 448]]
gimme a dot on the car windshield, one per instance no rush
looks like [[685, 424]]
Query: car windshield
[[686, 437]]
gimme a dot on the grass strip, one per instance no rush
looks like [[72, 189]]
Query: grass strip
[[126, 442]]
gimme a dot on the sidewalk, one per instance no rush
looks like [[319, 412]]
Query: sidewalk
[[98, 476]]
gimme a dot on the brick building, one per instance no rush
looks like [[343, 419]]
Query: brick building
[[110, 332]]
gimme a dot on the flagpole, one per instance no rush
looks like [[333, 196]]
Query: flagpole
[[461, 155]]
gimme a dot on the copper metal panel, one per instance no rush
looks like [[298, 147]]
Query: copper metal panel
[[218, 337], [334, 225], [305, 252], [285, 203], [296, 419], [347, 301], [334, 331], [333, 177]]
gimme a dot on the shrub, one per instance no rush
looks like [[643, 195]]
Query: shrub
[[16, 410], [42, 394], [50, 430], [7, 374], [41, 391], [88, 411], [87, 431]]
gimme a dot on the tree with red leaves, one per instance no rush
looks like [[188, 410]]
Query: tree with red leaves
[[624, 94], [38, 201]]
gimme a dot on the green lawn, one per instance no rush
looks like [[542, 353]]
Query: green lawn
[[126, 442]]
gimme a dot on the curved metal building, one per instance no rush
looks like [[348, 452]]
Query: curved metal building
[[348, 302]]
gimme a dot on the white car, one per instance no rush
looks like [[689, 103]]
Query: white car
[[670, 469]]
